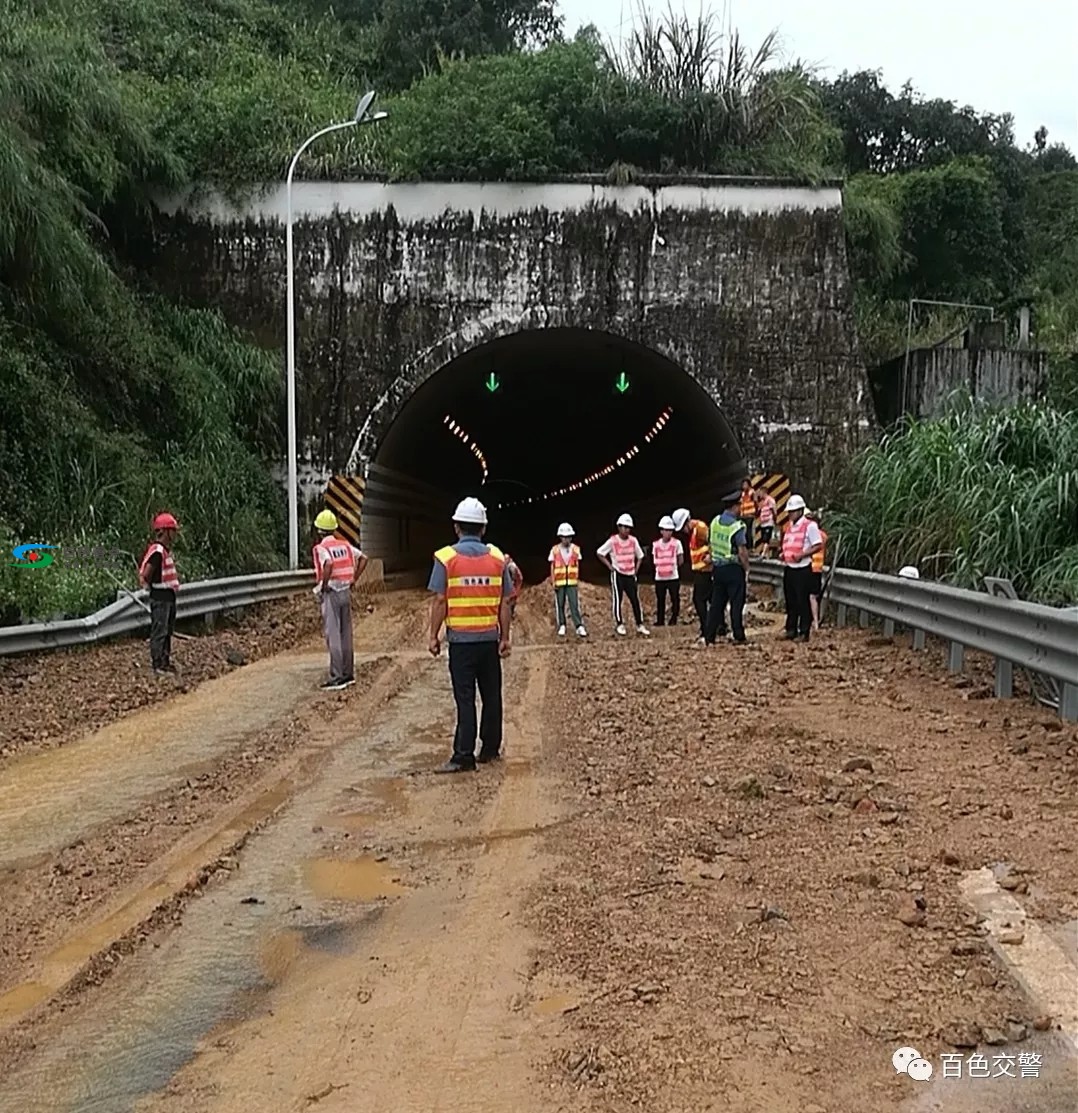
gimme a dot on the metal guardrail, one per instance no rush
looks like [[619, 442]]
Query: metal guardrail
[[128, 613], [1042, 639]]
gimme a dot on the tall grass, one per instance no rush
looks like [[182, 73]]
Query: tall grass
[[980, 491]]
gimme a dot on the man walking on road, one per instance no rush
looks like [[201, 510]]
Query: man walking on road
[[337, 564], [694, 533], [621, 554], [730, 567], [157, 572], [472, 588], [799, 542]]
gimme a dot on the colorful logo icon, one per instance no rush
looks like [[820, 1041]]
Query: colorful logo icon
[[32, 555]]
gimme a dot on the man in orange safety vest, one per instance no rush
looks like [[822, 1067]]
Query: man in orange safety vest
[[337, 565], [157, 573]]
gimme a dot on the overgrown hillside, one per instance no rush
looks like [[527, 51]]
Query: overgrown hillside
[[116, 403]]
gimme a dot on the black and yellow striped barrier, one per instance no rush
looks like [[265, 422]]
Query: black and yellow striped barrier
[[778, 487], [344, 496]]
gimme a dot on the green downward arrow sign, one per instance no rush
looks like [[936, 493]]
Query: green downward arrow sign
[[492, 382], [622, 385]]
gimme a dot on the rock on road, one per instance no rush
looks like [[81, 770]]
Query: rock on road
[[727, 880]]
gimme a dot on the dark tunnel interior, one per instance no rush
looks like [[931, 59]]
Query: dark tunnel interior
[[557, 425]]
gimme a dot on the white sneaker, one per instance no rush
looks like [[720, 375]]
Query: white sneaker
[[701, 641], [643, 630], [619, 629], [561, 631], [581, 632]]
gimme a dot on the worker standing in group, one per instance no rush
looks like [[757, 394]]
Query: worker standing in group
[[730, 568], [819, 558], [766, 509], [472, 586], [337, 565], [667, 557], [695, 538], [799, 542], [157, 573], [621, 554], [517, 577], [747, 509], [565, 576]]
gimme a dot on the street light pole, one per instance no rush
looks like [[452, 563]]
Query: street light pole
[[360, 117]]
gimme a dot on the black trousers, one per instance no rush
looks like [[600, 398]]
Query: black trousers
[[701, 597], [162, 623], [476, 665], [727, 587], [664, 588], [620, 585], [797, 587]]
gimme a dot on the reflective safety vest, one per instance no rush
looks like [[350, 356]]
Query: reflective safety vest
[[340, 555], [169, 579], [473, 592], [818, 558], [748, 505], [722, 539], [518, 576], [699, 546], [565, 566], [623, 554], [793, 541], [767, 511], [664, 557]]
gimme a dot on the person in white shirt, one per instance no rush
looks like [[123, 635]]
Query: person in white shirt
[[621, 554], [667, 557], [801, 539]]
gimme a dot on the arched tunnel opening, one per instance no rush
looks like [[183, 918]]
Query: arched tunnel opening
[[546, 426]]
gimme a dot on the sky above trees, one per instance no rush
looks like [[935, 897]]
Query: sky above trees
[[997, 56]]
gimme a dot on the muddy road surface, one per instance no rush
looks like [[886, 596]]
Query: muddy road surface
[[734, 879]]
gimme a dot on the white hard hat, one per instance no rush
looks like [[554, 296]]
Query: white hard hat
[[680, 518], [666, 522], [909, 573], [565, 530], [796, 502], [470, 511], [626, 520]]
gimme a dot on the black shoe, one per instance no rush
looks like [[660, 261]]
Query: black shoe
[[349, 681], [802, 638], [484, 757], [167, 667], [333, 684], [789, 635], [456, 767], [741, 641]]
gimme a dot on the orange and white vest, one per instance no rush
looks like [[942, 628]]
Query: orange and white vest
[[169, 579], [767, 511], [473, 591], [565, 566], [342, 557], [664, 557], [623, 554], [518, 576], [699, 546], [747, 509], [818, 558], [793, 541]]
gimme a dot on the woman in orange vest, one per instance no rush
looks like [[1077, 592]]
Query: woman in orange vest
[[157, 572], [696, 538], [746, 510], [565, 575], [818, 559]]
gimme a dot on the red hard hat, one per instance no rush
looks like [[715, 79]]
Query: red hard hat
[[165, 521]]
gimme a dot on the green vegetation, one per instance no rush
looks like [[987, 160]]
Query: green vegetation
[[117, 403], [979, 492]]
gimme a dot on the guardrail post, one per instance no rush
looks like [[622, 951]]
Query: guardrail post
[[918, 639], [842, 615], [888, 627], [1004, 679], [956, 657], [863, 619], [1068, 702]]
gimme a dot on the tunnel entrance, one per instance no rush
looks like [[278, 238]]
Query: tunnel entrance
[[545, 426]]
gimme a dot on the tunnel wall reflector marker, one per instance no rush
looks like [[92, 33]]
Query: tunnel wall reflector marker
[[344, 496], [467, 441]]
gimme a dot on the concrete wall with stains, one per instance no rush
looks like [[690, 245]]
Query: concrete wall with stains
[[742, 283]]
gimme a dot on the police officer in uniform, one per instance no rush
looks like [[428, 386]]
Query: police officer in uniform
[[472, 586], [730, 568]]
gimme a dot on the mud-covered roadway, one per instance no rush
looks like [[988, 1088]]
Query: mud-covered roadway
[[734, 879]]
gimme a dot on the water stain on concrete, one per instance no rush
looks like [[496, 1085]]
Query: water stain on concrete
[[360, 879], [555, 1004]]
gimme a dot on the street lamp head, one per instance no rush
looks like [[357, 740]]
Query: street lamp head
[[365, 102], [376, 116]]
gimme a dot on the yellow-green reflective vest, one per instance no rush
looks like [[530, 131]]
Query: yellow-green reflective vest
[[722, 540]]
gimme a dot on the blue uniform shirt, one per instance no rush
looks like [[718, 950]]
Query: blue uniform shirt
[[467, 546]]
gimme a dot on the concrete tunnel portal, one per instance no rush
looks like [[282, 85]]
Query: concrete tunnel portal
[[549, 425]]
